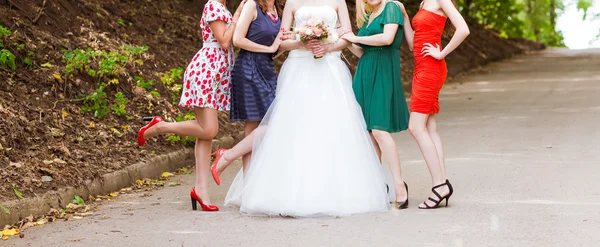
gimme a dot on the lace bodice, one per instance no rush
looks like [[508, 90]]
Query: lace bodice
[[326, 13]]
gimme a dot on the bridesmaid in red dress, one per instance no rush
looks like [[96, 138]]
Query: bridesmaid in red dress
[[428, 78]]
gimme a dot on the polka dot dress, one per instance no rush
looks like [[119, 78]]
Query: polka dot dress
[[207, 79]]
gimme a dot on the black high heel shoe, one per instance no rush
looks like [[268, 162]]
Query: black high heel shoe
[[440, 198], [403, 204]]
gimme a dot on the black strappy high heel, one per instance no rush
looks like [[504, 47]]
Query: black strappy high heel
[[403, 204], [440, 198]]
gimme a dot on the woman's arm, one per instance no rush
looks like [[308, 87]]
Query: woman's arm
[[239, 36], [356, 50], [286, 24], [392, 19], [461, 33], [382, 39], [409, 33], [223, 34], [340, 44]]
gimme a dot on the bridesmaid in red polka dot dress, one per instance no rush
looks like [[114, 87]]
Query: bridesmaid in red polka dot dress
[[206, 85]]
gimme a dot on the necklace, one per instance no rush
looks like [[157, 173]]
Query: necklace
[[272, 16]]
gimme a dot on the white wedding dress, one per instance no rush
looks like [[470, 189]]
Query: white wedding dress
[[312, 155]]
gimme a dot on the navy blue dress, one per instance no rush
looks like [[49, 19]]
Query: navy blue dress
[[253, 78]]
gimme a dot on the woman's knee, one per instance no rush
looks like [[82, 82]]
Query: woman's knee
[[250, 126], [380, 134], [211, 131], [416, 129]]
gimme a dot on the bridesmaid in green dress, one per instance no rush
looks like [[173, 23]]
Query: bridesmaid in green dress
[[377, 82]]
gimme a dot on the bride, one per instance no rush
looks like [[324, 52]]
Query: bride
[[312, 155]]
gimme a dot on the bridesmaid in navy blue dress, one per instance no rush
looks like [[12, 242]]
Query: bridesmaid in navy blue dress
[[253, 78]]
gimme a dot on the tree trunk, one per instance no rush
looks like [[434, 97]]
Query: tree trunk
[[553, 14], [531, 13], [467, 8]]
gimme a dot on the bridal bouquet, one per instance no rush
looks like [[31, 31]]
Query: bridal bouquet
[[313, 28]]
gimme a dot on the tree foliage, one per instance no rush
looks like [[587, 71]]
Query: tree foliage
[[530, 19]]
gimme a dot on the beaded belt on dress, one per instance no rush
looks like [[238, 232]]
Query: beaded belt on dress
[[377, 48]]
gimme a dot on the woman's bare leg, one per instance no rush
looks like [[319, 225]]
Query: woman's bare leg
[[191, 128], [437, 140], [389, 151], [242, 148], [418, 129], [208, 121], [376, 145], [249, 127]]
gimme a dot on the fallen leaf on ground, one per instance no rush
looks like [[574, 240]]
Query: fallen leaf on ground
[[41, 222], [18, 193], [139, 182], [84, 214], [114, 194], [57, 77], [16, 164], [92, 125], [27, 225], [59, 161], [46, 65], [72, 206], [56, 132], [65, 114], [77, 217], [4, 209], [172, 184], [8, 233], [116, 132], [167, 174]]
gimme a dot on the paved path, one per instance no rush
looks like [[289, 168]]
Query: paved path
[[522, 147]]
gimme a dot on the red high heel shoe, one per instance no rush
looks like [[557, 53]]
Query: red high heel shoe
[[213, 169], [153, 121], [205, 207]]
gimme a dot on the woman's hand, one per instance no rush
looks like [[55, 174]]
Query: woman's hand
[[341, 31], [238, 11], [350, 37], [275, 46], [433, 51], [321, 49], [287, 35]]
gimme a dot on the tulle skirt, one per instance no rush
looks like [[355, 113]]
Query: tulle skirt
[[312, 155]]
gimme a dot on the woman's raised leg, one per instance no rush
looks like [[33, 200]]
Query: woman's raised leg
[[249, 127]]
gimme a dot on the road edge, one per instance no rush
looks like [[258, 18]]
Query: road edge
[[40, 205]]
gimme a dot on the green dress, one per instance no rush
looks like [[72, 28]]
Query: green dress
[[377, 83]]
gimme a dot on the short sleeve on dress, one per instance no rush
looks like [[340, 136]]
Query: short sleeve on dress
[[215, 12], [392, 14]]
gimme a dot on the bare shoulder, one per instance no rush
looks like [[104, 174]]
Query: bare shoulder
[[340, 5], [250, 4], [291, 4], [442, 3]]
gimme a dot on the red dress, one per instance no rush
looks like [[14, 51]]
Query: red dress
[[429, 74]]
